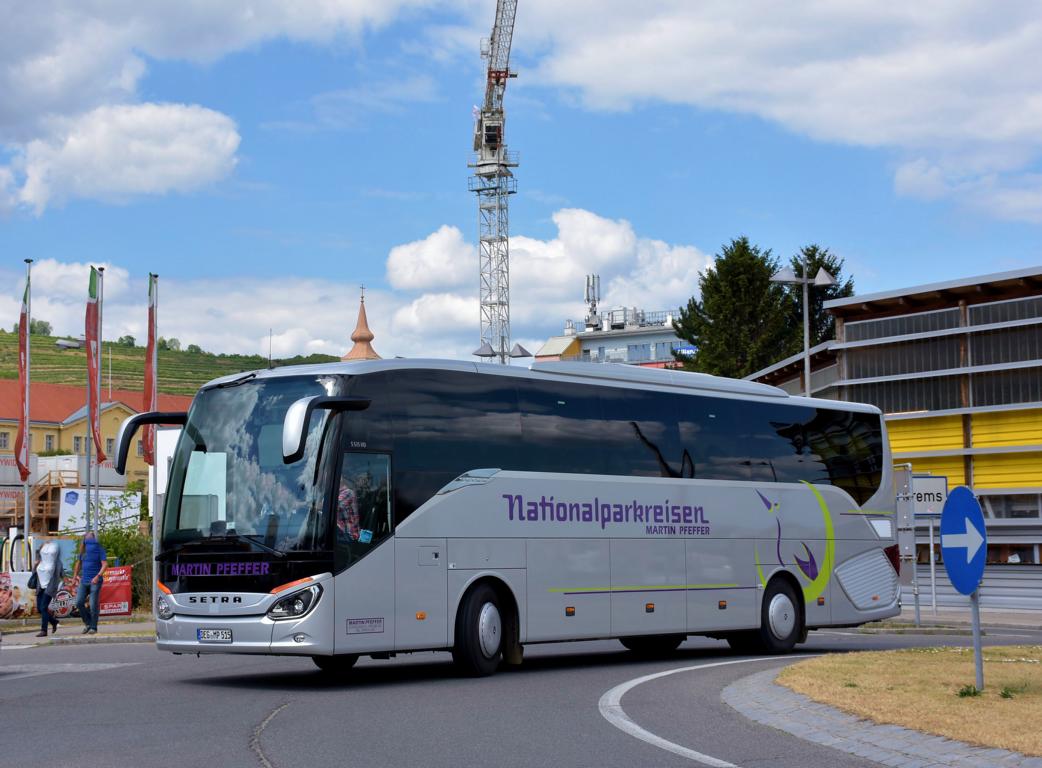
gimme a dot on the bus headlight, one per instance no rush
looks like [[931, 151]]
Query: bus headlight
[[163, 609], [296, 605]]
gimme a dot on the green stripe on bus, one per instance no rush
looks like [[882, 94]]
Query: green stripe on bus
[[639, 588]]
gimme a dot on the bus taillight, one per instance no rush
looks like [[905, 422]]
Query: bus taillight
[[894, 553]]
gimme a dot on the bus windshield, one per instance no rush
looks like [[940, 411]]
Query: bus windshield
[[228, 478]]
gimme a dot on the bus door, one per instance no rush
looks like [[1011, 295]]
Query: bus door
[[363, 554]]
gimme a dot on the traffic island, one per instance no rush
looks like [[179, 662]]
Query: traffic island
[[931, 690]]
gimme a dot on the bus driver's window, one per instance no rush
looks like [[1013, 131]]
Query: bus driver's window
[[363, 505]]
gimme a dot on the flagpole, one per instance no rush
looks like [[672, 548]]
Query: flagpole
[[101, 307], [28, 410], [153, 473], [90, 436]]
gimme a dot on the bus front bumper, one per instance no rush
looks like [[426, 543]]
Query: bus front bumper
[[311, 635]]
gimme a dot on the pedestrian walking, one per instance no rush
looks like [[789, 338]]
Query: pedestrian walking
[[49, 572], [91, 568]]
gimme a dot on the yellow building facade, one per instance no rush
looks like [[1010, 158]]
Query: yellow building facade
[[956, 368]]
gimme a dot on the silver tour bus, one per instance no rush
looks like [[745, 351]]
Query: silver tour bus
[[381, 507]]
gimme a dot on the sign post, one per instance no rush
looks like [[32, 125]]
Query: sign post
[[906, 530], [928, 496], [964, 545]]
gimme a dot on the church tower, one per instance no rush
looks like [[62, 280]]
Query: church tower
[[362, 337]]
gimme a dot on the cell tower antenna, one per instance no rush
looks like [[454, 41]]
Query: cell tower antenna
[[493, 181]]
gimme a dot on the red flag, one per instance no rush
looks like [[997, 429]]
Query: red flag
[[93, 360], [151, 396], [21, 441]]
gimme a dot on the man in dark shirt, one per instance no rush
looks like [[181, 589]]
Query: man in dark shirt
[[93, 561]]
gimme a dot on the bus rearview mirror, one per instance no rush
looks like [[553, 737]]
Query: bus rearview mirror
[[298, 416], [129, 428]]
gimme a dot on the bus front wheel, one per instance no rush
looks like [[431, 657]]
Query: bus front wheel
[[335, 665], [479, 632]]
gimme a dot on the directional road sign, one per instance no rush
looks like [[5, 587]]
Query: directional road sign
[[964, 540]]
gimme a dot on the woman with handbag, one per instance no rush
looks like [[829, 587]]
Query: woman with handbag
[[48, 573]]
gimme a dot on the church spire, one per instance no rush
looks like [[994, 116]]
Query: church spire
[[362, 336]]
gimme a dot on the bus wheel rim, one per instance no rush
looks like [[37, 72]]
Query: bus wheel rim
[[781, 614], [490, 630]]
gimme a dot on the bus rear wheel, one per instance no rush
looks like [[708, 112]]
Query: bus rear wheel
[[335, 665], [781, 622], [479, 632], [653, 645]]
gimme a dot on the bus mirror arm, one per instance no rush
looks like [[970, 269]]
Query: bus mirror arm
[[129, 428], [298, 416]]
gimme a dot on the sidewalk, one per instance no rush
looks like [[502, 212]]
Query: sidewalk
[[70, 632], [961, 616]]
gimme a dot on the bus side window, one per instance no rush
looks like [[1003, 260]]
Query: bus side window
[[363, 505]]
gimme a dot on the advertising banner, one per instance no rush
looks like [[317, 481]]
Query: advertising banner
[[17, 601], [92, 332], [151, 391], [21, 441], [118, 508], [116, 594], [64, 601]]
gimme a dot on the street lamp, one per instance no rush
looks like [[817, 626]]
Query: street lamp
[[821, 280]]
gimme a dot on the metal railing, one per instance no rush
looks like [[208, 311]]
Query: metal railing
[[1004, 587]]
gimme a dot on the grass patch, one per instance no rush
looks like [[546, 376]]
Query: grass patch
[[930, 689]]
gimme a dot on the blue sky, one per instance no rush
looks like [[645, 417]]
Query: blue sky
[[266, 164]]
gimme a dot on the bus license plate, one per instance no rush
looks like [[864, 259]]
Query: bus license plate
[[214, 635]]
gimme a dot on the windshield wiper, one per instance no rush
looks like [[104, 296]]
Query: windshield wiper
[[170, 552], [228, 537], [265, 547], [236, 382]]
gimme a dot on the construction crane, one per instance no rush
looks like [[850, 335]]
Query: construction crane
[[493, 182]]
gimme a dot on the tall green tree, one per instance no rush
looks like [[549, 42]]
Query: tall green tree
[[822, 325], [742, 321]]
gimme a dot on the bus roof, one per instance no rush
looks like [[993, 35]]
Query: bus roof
[[591, 373]]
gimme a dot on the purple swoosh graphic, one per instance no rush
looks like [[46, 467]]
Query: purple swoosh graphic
[[809, 566]]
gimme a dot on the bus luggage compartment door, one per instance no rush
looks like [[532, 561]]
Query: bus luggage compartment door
[[420, 610], [721, 585], [647, 583], [568, 589]]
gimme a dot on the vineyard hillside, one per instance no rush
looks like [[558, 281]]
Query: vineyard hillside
[[180, 373]]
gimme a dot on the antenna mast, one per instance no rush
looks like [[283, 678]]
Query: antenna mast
[[493, 181]]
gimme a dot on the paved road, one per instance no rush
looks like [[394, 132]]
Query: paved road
[[128, 705]]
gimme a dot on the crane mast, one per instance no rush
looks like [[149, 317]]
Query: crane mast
[[493, 182]]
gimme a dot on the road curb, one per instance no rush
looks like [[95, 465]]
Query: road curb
[[957, 631], [759, 698], [82, 640], [101, 639]]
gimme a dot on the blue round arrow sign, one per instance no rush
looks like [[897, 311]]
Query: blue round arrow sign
[[964, 540]]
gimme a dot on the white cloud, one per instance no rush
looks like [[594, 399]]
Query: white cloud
[[440, 259], [67, 57], [65, 280], [948, 82], [919, 178], [426, 314], [114, 153], [547, 279], [70, 72]]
